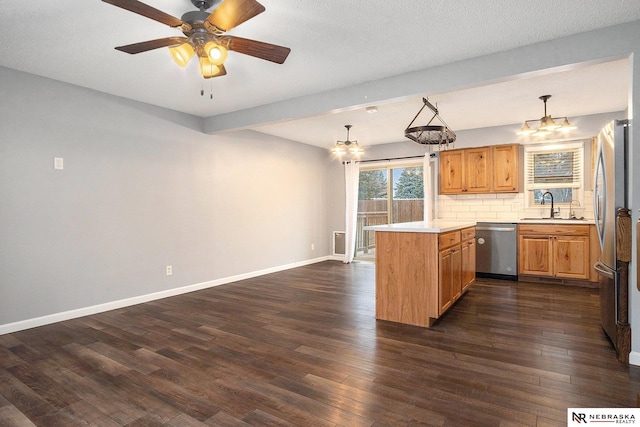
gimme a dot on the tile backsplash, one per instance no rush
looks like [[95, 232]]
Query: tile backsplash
[[501, 207]]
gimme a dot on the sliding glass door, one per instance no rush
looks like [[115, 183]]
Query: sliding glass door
[[387, 195]]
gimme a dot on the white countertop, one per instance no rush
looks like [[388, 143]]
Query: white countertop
[[435, 226], [444, 225]]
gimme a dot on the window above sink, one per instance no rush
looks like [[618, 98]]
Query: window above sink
[[557, 169]]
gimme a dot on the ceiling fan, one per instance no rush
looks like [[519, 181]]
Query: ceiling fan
[[204, 34]]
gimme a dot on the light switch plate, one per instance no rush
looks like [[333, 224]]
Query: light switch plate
[[58, 163]]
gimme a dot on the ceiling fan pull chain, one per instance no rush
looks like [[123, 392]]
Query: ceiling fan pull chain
[[211, 94]]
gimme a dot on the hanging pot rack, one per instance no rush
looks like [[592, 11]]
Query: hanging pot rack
[[430, 134]]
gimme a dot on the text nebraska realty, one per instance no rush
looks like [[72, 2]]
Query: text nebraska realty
[[604, 418]]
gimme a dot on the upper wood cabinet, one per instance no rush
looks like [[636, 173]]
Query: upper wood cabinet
[[477, 167], [451, 167], [479, 170], [505, 168]]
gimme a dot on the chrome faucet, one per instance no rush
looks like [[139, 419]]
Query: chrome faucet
[[552, 215]]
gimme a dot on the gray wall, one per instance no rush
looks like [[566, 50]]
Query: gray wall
[[141, 188]]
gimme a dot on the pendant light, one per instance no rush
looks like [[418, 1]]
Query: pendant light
[[548, 124], [342, 147]]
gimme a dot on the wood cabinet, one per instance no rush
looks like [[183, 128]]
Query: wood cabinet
[[468, 250], [457, 265], [479, 170], [465, 171], [505, 168], [450, 269], [559, 251], [420, 275]]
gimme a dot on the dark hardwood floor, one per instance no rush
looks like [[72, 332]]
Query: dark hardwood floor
[[302, 348]]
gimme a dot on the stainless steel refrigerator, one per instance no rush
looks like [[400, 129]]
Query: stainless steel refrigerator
[[610, 194]]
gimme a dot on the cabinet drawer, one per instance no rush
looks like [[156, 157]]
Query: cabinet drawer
[[468, 233], [448, 239], [554, 229]]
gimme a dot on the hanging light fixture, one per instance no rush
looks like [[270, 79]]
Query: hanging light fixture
[[548, 124], [430, 134], [343, 147]]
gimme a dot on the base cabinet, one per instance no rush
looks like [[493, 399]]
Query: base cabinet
[[468, 251], [420, 275], [554, 251], [450, 267]]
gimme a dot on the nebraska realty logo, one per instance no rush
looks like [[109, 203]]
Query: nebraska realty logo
[[600, 416]]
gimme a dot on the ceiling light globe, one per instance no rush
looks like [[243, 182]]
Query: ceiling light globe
[[566, 126], [207, 68], [217, 54], [548, 124], [182, 54], [526, 129], [356, 150], [338, 150]]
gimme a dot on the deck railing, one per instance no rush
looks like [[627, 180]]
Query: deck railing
[[374, 212], [366, 240]]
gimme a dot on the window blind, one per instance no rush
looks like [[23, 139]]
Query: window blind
[[559, 168]]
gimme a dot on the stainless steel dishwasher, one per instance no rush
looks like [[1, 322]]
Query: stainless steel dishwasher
[[496, 250]]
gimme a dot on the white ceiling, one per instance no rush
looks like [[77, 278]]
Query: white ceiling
[[334, 44]]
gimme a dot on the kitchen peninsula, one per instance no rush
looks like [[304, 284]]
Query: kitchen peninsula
[[422, 268]]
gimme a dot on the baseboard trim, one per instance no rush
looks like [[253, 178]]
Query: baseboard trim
[[112, 305], [634, 358]]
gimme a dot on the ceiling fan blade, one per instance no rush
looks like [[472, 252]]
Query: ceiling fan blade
[[266, 51], [222, 72], [151, 44], [232, 13], [145, 10]]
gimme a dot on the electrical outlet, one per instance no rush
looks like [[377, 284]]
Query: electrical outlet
[[313, 247], [169, 270], [58, 163]]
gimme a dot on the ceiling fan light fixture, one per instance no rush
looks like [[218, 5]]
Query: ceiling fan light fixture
[[217, 53], [181, 54], [207, 68], [200, 27]]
